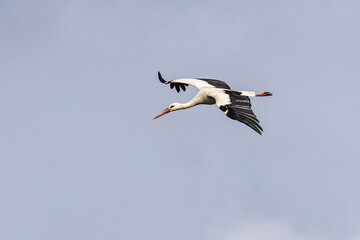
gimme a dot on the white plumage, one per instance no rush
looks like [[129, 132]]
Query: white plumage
[[235, 104]]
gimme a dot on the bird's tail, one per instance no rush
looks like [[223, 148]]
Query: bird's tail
[[253, 94]]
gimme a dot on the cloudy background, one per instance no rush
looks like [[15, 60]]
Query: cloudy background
[[81, 157]]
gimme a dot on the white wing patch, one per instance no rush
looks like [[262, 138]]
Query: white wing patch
[[247, 93], [195, 82], [223, 99], [220, 97]]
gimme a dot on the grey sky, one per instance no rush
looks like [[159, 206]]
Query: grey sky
[[81, 157]]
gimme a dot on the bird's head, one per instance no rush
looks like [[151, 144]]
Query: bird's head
[[172, 107]]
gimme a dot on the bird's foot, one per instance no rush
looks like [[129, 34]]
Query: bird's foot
[[264, 94]]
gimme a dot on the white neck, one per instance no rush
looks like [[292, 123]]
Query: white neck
[[200, 98], [187, 105]]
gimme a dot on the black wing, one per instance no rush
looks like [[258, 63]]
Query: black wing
[[172, 85], [240, 109], [196, 82], [215, 83]]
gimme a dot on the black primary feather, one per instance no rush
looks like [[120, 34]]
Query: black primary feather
[[177, 86], [161, 78], [183, 87], [240, 109]]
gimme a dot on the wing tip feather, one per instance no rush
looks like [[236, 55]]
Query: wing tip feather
[[162, 80]]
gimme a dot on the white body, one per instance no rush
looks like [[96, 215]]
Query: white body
[[234, 104], [207, 94]]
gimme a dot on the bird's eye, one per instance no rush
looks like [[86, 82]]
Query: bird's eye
[[171, 106]]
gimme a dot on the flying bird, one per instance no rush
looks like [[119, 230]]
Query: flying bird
[[235, 104]]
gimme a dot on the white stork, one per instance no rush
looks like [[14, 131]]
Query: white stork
[[235, 104]]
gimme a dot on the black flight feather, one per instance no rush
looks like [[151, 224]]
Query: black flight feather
[[240, 109], [183, 87], [177, 87], [161, 78]]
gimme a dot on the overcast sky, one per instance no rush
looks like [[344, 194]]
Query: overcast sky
[[81, 157]]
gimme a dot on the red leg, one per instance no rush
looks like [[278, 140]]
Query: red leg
[[264, 94]]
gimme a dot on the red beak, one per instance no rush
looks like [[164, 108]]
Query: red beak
[[164, 112]]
